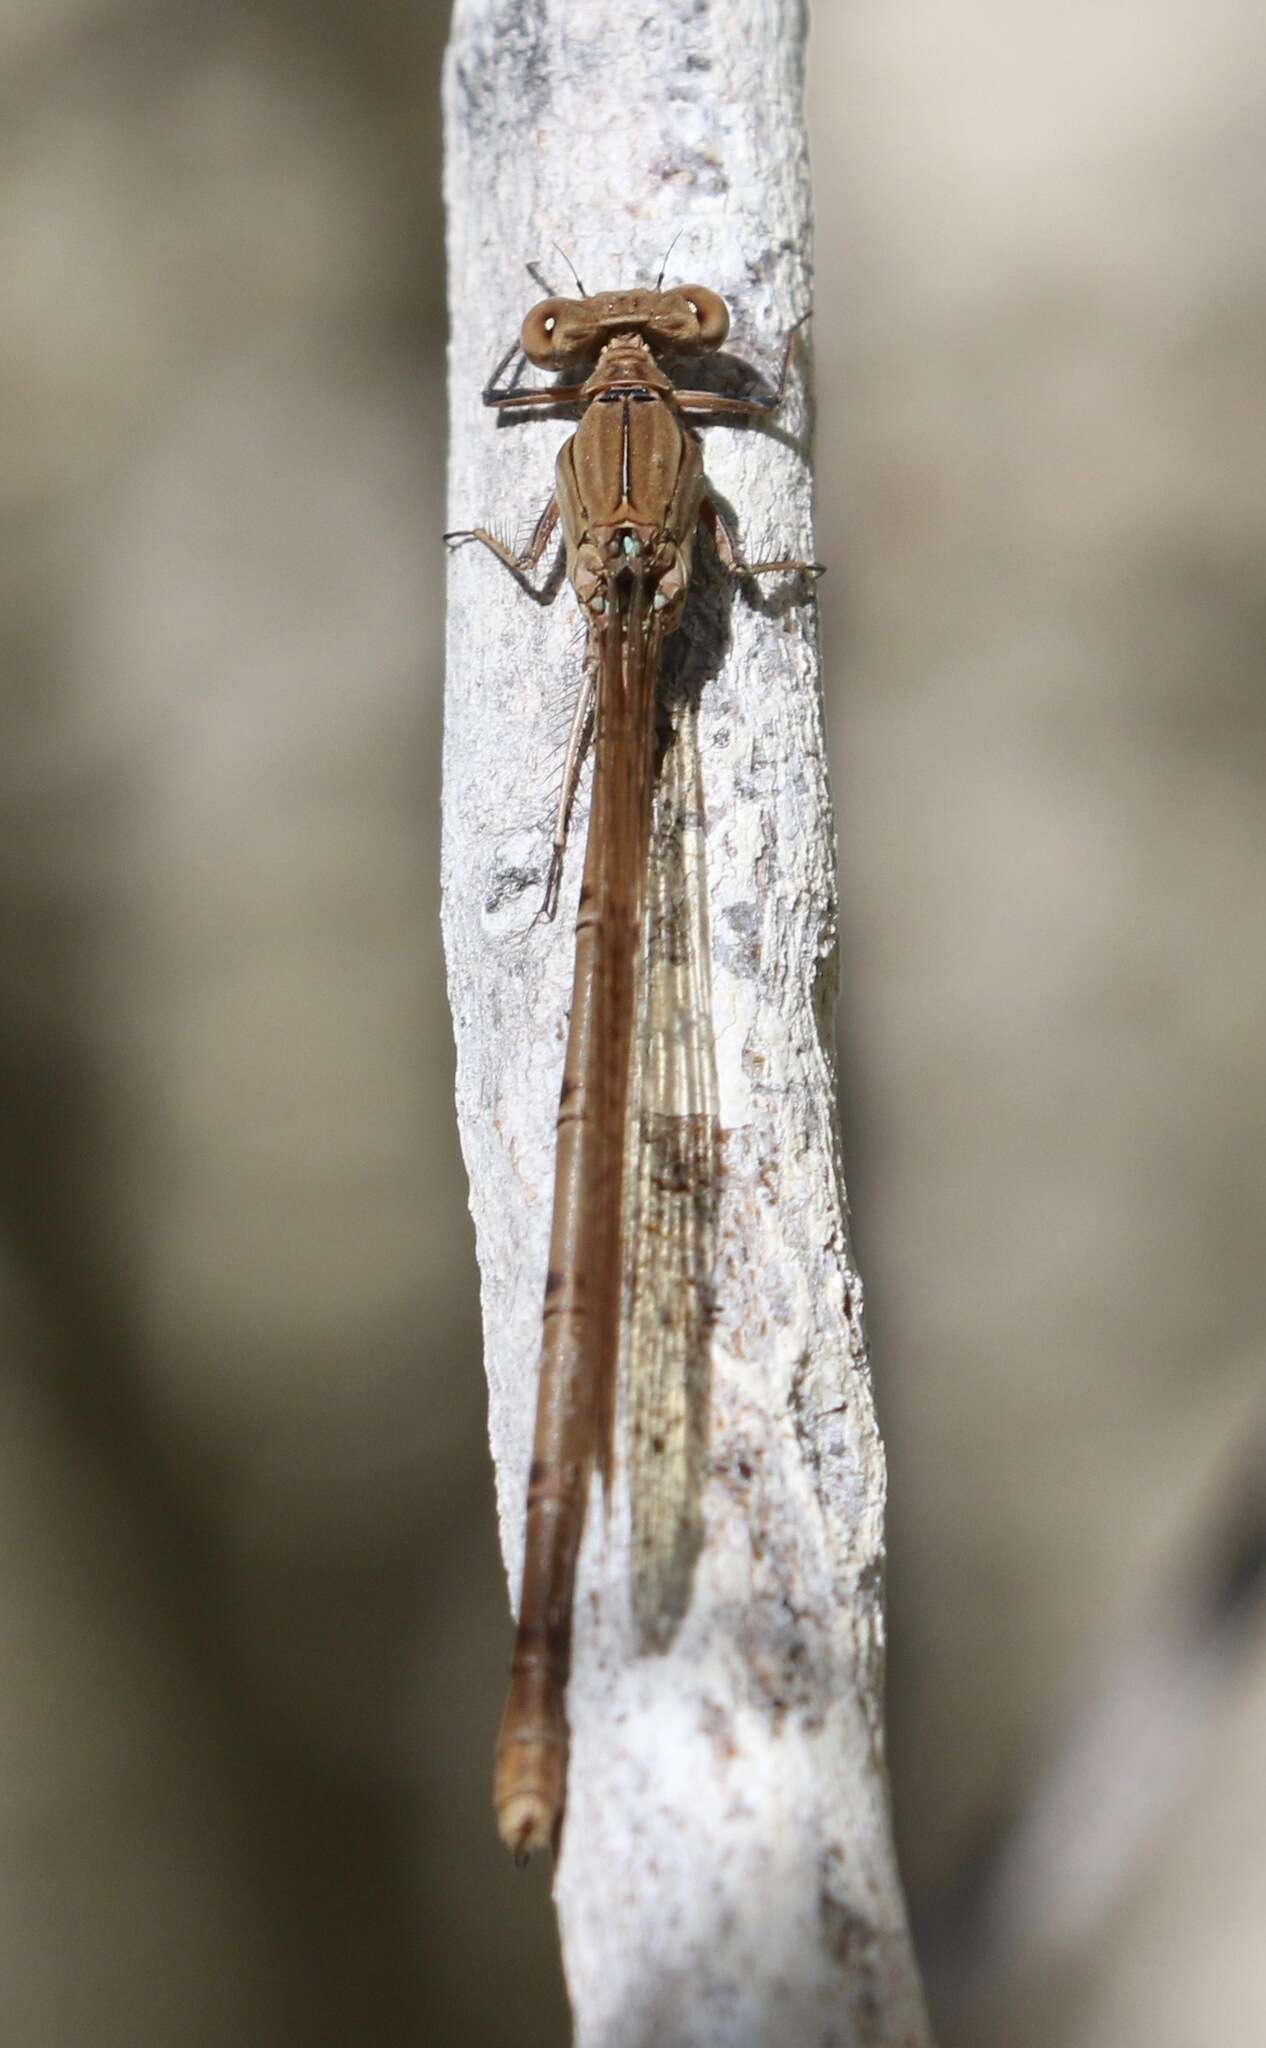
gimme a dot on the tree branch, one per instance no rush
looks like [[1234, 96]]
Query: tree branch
[[726, 1873]]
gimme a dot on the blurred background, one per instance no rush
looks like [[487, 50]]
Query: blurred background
[[253, 1618]]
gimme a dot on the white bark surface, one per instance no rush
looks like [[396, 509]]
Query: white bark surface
[[726, 1872]]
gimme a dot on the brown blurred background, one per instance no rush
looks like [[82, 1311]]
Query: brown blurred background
[[253, 1617]]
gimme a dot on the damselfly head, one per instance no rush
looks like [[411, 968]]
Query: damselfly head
[[690, 321]]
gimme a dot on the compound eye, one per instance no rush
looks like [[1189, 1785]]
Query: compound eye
[[710, 310], [552, 332]]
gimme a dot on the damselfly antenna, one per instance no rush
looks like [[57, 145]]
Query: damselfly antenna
[[575, 273], [667, 253]]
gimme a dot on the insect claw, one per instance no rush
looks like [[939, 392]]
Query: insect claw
[[553, 887]]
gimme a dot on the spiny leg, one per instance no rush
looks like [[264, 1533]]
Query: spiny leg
[[492, 391], [547, 395], [731, 556], [576, 740], [718, 405], [510, 395], [519, 564]]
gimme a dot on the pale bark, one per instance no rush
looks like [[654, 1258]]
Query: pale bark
[[726, 1872]]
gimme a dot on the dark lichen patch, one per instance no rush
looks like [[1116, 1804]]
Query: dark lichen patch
[[771, 260], [736, 1466], [768, 1176], [787, 1678], [826, 988], [695, 170], [738, 939], [719, 1729], [506, 886], [845, 1934], [849, 1938], [514, 49]]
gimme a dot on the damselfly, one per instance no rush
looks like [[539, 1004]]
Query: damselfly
[[634, 1187]]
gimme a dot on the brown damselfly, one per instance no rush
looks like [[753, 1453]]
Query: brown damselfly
[[635, 1160]]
